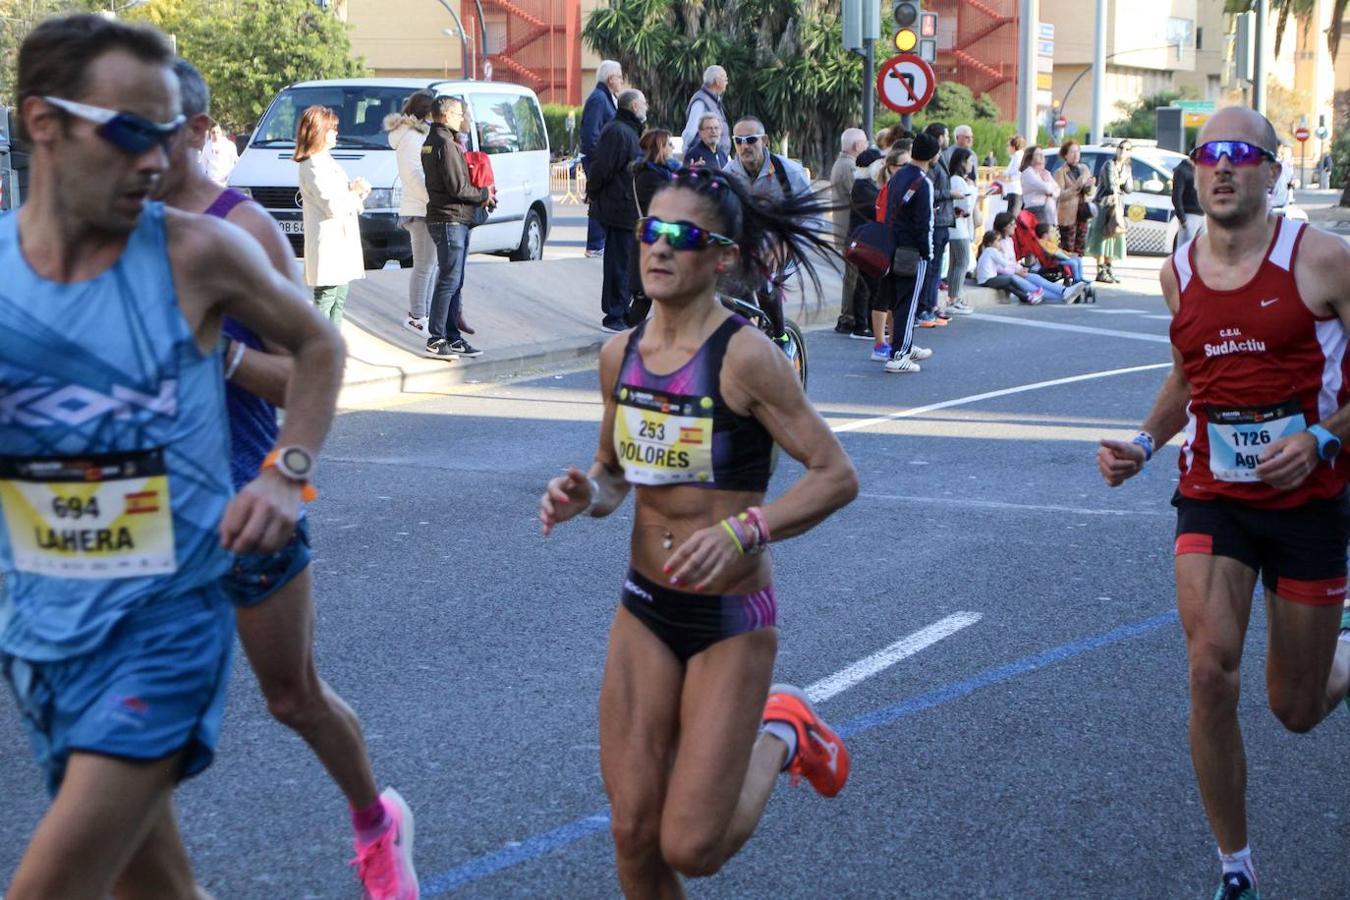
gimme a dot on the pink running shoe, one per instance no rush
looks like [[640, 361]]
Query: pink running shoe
[[385, 865]]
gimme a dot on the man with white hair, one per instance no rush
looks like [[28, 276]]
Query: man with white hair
[[962, 136], [852, 142], [707, 100], [601, 107], [707, 151]]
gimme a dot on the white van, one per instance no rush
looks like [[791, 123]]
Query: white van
[[507, 123]]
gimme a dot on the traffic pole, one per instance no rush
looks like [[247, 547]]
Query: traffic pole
[[869, 79], [1026, 65], [1099, 74], [1259, 66]]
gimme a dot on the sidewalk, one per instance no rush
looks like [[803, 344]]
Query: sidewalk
[[531, 318]]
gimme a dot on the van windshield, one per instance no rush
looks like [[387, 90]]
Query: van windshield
[[360, 108]]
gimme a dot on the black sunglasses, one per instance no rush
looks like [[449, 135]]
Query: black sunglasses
[[680, 235], [126, 131], [1239, 153]]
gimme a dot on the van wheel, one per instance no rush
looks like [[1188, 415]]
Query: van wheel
[[531, 239]]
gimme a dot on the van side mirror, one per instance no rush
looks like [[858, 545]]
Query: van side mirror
[[1153, 186]]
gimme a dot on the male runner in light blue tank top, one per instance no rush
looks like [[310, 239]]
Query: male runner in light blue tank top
[[272, 592], [116, 515]]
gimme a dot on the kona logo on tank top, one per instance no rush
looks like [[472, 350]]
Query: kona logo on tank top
[[74, 404]]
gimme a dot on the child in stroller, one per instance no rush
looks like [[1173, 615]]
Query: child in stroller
[[1045, 259]]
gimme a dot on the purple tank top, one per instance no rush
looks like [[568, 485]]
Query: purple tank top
[[253, 421]]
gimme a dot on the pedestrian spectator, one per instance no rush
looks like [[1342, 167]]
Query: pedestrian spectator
[[650, 172], [408, 132], [1040, 191], [451, 204], [998, 268], [1106, 233], [707, 150], [990, 160], [707, 100], [1012, 176], [1045, 236], [909, 215], [962, 136], [609, 192], [600, 109], [965, 195], [896, 158], [331, 204], [1186, 203], [931, 314], [1073, 211], [852, 142], [1325, 166], [1282, 194], [219, 155], [862, 209]]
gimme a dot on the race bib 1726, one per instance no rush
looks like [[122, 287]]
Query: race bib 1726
[[1237, 437], [105, 516]]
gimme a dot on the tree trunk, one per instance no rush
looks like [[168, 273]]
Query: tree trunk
[[1345, 194]]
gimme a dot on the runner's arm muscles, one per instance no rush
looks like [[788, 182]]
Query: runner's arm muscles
[[1323, 260], [763, 380], [232, 276], [1168, 415], [265, 373], [606, 471]]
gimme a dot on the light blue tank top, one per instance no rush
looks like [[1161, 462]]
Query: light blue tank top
[[114, 448]]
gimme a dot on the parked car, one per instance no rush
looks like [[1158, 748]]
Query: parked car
[[14, 155], [508, 125], [1152, 225]]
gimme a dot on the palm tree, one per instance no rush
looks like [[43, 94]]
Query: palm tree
[[1302, 12], [784, 60]]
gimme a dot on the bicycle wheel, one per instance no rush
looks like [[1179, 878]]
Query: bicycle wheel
[[794, 345]]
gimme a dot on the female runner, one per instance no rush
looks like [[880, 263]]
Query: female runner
[[692, 736]]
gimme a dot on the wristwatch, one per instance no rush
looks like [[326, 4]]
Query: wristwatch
[[1328, 445], [295, 464]]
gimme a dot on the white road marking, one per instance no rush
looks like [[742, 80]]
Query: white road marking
[[1116, 312], [883, 659], [1017, 507], [990, 395], [1163, 318], [1081, 329]]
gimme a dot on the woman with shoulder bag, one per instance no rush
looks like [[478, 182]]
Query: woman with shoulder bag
[[1106, 236], [1040, 191], [1074, 209], [962, 167], [408, 131]]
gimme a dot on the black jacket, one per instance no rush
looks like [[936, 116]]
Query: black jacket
[[609, 182], [451, 197], [1185, 200], [944, 207], [862, 203], [647, 178], [702, 155]]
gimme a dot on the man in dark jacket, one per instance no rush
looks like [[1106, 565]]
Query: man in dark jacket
[[909, 215], [944, 220], [451, 201], [707, 151], [598, 112], [1186, 203], [609, 191]]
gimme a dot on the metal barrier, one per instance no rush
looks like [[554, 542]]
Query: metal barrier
[[567, 182]]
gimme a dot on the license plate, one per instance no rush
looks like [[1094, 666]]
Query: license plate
[[292, 227]]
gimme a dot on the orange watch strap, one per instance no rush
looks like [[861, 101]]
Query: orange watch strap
[[308, 492]]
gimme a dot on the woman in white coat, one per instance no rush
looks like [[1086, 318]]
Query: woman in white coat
[[407, 133], [332, 207]]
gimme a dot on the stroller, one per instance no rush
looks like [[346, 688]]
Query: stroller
[[1041, 262]]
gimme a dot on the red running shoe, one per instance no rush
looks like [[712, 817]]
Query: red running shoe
[[821, 756]]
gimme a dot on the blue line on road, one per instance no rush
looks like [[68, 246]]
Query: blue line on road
[[543, 844]]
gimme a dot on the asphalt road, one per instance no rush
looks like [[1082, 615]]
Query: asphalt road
[[1037, 750]]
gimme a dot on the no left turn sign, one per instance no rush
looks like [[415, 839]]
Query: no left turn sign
[[905, 83]]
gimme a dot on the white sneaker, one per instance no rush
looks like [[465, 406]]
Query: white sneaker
[[1075, 292], [415, 325], [919, 354], [903, 363], [961, 308]]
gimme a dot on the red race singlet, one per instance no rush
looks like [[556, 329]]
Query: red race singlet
[[1261, 366]]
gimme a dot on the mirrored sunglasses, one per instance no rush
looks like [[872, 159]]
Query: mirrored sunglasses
[[1239, 153], [680, 235], [126, 131]]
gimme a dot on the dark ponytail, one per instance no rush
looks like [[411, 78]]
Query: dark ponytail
[[771, 234]]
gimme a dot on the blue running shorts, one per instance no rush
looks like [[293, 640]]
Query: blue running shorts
[[155, 687], [256, 576]]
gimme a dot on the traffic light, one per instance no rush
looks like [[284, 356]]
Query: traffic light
[[906, 15], [928, 36]]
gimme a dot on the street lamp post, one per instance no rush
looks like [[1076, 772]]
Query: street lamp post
[[463, 45], [482, 30]]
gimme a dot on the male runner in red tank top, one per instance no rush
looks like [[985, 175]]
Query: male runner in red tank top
[[1258, 385]]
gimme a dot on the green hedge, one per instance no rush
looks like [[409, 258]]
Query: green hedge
[[555, 120], [989, 135]]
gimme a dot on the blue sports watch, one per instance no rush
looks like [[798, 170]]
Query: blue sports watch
[[1328, 445]]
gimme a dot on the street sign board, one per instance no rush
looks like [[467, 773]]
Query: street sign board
[[905, 83], [1061, 123], [1322, 132], [1196, 112], [1302, 133]]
